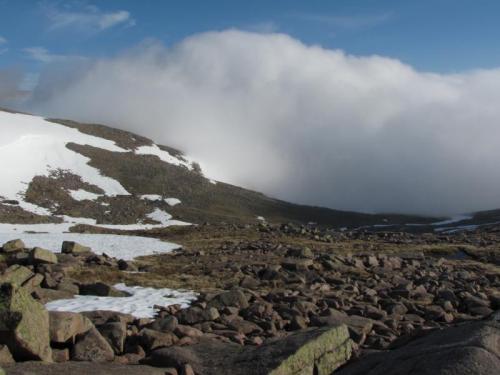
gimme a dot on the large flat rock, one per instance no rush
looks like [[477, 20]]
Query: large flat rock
[[313, 351], [80, 368], [472, 348]]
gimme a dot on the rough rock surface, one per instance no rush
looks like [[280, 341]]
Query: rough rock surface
[[472, 348], [65, 326], [79, 368], [92, 347], [24, 324], [313, 351]]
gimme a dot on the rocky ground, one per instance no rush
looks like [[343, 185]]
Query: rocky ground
[[273, 299]]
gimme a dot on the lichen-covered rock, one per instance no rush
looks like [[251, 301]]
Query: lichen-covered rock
[[313, 351], [65, 326], [466, 349], [13, 246], [233, 297], [24, 324], [41, 256], [92, 347], [16, 275], [70, 247]]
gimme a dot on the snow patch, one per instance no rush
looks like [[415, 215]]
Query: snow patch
[[454, 219], [81, 195], [160, 216], [117, 246], [140, 304], [172, 201], [151, 197], [163, 155]]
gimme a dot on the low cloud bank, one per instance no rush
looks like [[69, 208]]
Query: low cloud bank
[[300, 122]]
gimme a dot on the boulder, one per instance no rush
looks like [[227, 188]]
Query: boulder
[[196, 314], [100, 317], [24, 324], [101, 289], [151, 340], [46, 295], [79, 368], [65, 326], [16, 274], [115, 334], [92, 347], [467, 349], [313, 351], [165, 324], [233, 297], [13, 246], [70, 247], [41, 256]]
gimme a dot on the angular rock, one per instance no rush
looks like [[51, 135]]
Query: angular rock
[[467, 349], [13, 246], [151, 340], [313, 351], [92, 347], [233, 297], [24, 324], [16, 274], [70, 247], [100, 317], [115, 334], [196, 314], [42, 256], [80, 368], [101, 289], [166, 324], [65, 326]]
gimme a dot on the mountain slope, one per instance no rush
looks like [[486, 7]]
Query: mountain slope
[[57, 169]]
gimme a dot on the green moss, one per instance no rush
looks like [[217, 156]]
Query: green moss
[[325, 353]]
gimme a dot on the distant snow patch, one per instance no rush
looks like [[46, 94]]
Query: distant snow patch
[[163, 155], [160, 216], [172, 201], [81, 195], [261, 218], [213, 182], [151, 197], [140, 304], [454, 219]]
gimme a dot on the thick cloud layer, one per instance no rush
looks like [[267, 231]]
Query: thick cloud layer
[[301, 122]]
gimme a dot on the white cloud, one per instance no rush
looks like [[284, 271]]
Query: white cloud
[[40, 54], [85, 17], [301, 122], [347, 22], [3, 41]]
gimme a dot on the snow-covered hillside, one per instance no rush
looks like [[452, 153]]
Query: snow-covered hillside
[[31, 146]]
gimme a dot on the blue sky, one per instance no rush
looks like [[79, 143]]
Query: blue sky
[[431, 35]]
